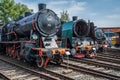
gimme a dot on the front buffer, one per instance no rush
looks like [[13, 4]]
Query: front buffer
[[87, 51], [46, 55]]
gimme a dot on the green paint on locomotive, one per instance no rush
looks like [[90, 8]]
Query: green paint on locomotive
[[67, 32], [77, 29]]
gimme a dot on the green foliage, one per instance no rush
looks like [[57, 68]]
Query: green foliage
[[11, 10], [65, 16]]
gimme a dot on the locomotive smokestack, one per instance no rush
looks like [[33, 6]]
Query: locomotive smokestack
[[41, 6], [74, 18], [92, 24]]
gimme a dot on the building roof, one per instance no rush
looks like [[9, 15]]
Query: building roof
[[113, 29], [109, 27]]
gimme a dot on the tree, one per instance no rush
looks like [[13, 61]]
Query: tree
[[65, 16], [11, 10]]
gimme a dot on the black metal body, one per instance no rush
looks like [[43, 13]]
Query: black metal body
[[99, 34], [44, 23]]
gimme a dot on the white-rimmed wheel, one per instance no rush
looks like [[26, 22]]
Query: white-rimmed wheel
[[40, 61]]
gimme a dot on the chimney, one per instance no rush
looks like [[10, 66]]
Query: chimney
[[74, 18], [41, 6]]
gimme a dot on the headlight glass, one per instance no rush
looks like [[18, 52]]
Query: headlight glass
[[94, 49], [67, 53]]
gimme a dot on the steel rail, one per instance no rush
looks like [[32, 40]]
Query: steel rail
[[4, 77], [108, 59], [55, 76], [96, 63], [31, 71], [90, 71]]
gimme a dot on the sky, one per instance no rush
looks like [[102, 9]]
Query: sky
[[104, 13]]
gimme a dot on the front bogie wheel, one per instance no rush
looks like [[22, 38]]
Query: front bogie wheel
[[40, 61]]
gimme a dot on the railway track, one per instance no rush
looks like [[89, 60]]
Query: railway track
[[110, 55], [79, 75], [14, 71], [98, 71], [96, 63], [74, 73], [3, 77], [108, 59], [56, 72], [46, 74]]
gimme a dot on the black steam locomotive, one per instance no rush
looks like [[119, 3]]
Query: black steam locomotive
[[31, 37]]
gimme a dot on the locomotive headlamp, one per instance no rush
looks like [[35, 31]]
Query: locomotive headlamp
[[67, 53], [34, 36], [79, 43], [94, 49]]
